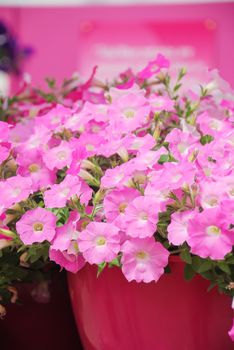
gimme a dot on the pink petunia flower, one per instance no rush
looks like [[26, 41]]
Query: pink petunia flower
[[211, 193], [71, 186], [15, 189], [128, 113], [208, 235], [58, 157], [143, 260], [117, 176], [91, 143], [154, 67], [36, 225], [141, 217], [66, 233], [33, 167], [116, 202], [99, 242], [78, 155], [70, 259], [161, 103], [55, 118], [175, 175], [178, 228], [39, 137], [182, 143], [212, 126]]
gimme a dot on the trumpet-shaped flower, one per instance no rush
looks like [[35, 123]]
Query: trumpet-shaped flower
[[178, 228], [154, 67], [15, 189], [161, 103], [34, 168], [116, 202], [36, 225], [208, 235], [58, 157], [71, 186], [99, 242], [141, 217], [72, 261], [143, 259]]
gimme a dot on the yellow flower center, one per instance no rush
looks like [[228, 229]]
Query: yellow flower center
[[129, 113], [182, 147], [90, 147], [62, 155], [213, 230], [143, 216], [141, 255], [101, 241], [33, 168], [122, 207], [213, 201], [38, 226]]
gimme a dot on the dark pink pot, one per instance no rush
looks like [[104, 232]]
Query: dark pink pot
[[172, 314]]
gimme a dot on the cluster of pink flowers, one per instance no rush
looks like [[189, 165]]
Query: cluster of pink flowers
[[118, 164]]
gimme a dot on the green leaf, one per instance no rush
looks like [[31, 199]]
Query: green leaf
[[205, 266], [189, 273], [163, 158], [196, 263], [206, 139], [230, 259], [185, 256], [101, 268], [177, 87], [114, 262], [224, 267], [201, 265]]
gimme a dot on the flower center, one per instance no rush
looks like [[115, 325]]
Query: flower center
[[143, 216], [182, 147], [157, 103], [141, 255], [95, 129], [213, 230], [176, 177], [122, 207], [16, 191], [231, 191], [101, 241], [38, 226], [89, 147], [33, 168], [207, 171], [55, 119], [62, 155], [129, 113], [64, 192]]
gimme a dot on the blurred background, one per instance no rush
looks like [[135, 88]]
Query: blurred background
[[56, 38]]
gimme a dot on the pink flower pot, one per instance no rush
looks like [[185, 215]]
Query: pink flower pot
[[172, 314]]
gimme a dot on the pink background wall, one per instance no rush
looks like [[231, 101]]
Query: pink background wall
[[57, 34]]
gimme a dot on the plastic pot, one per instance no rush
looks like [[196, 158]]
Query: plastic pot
[[172, 314]]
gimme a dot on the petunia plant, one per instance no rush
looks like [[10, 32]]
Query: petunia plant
[[121, 174]]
